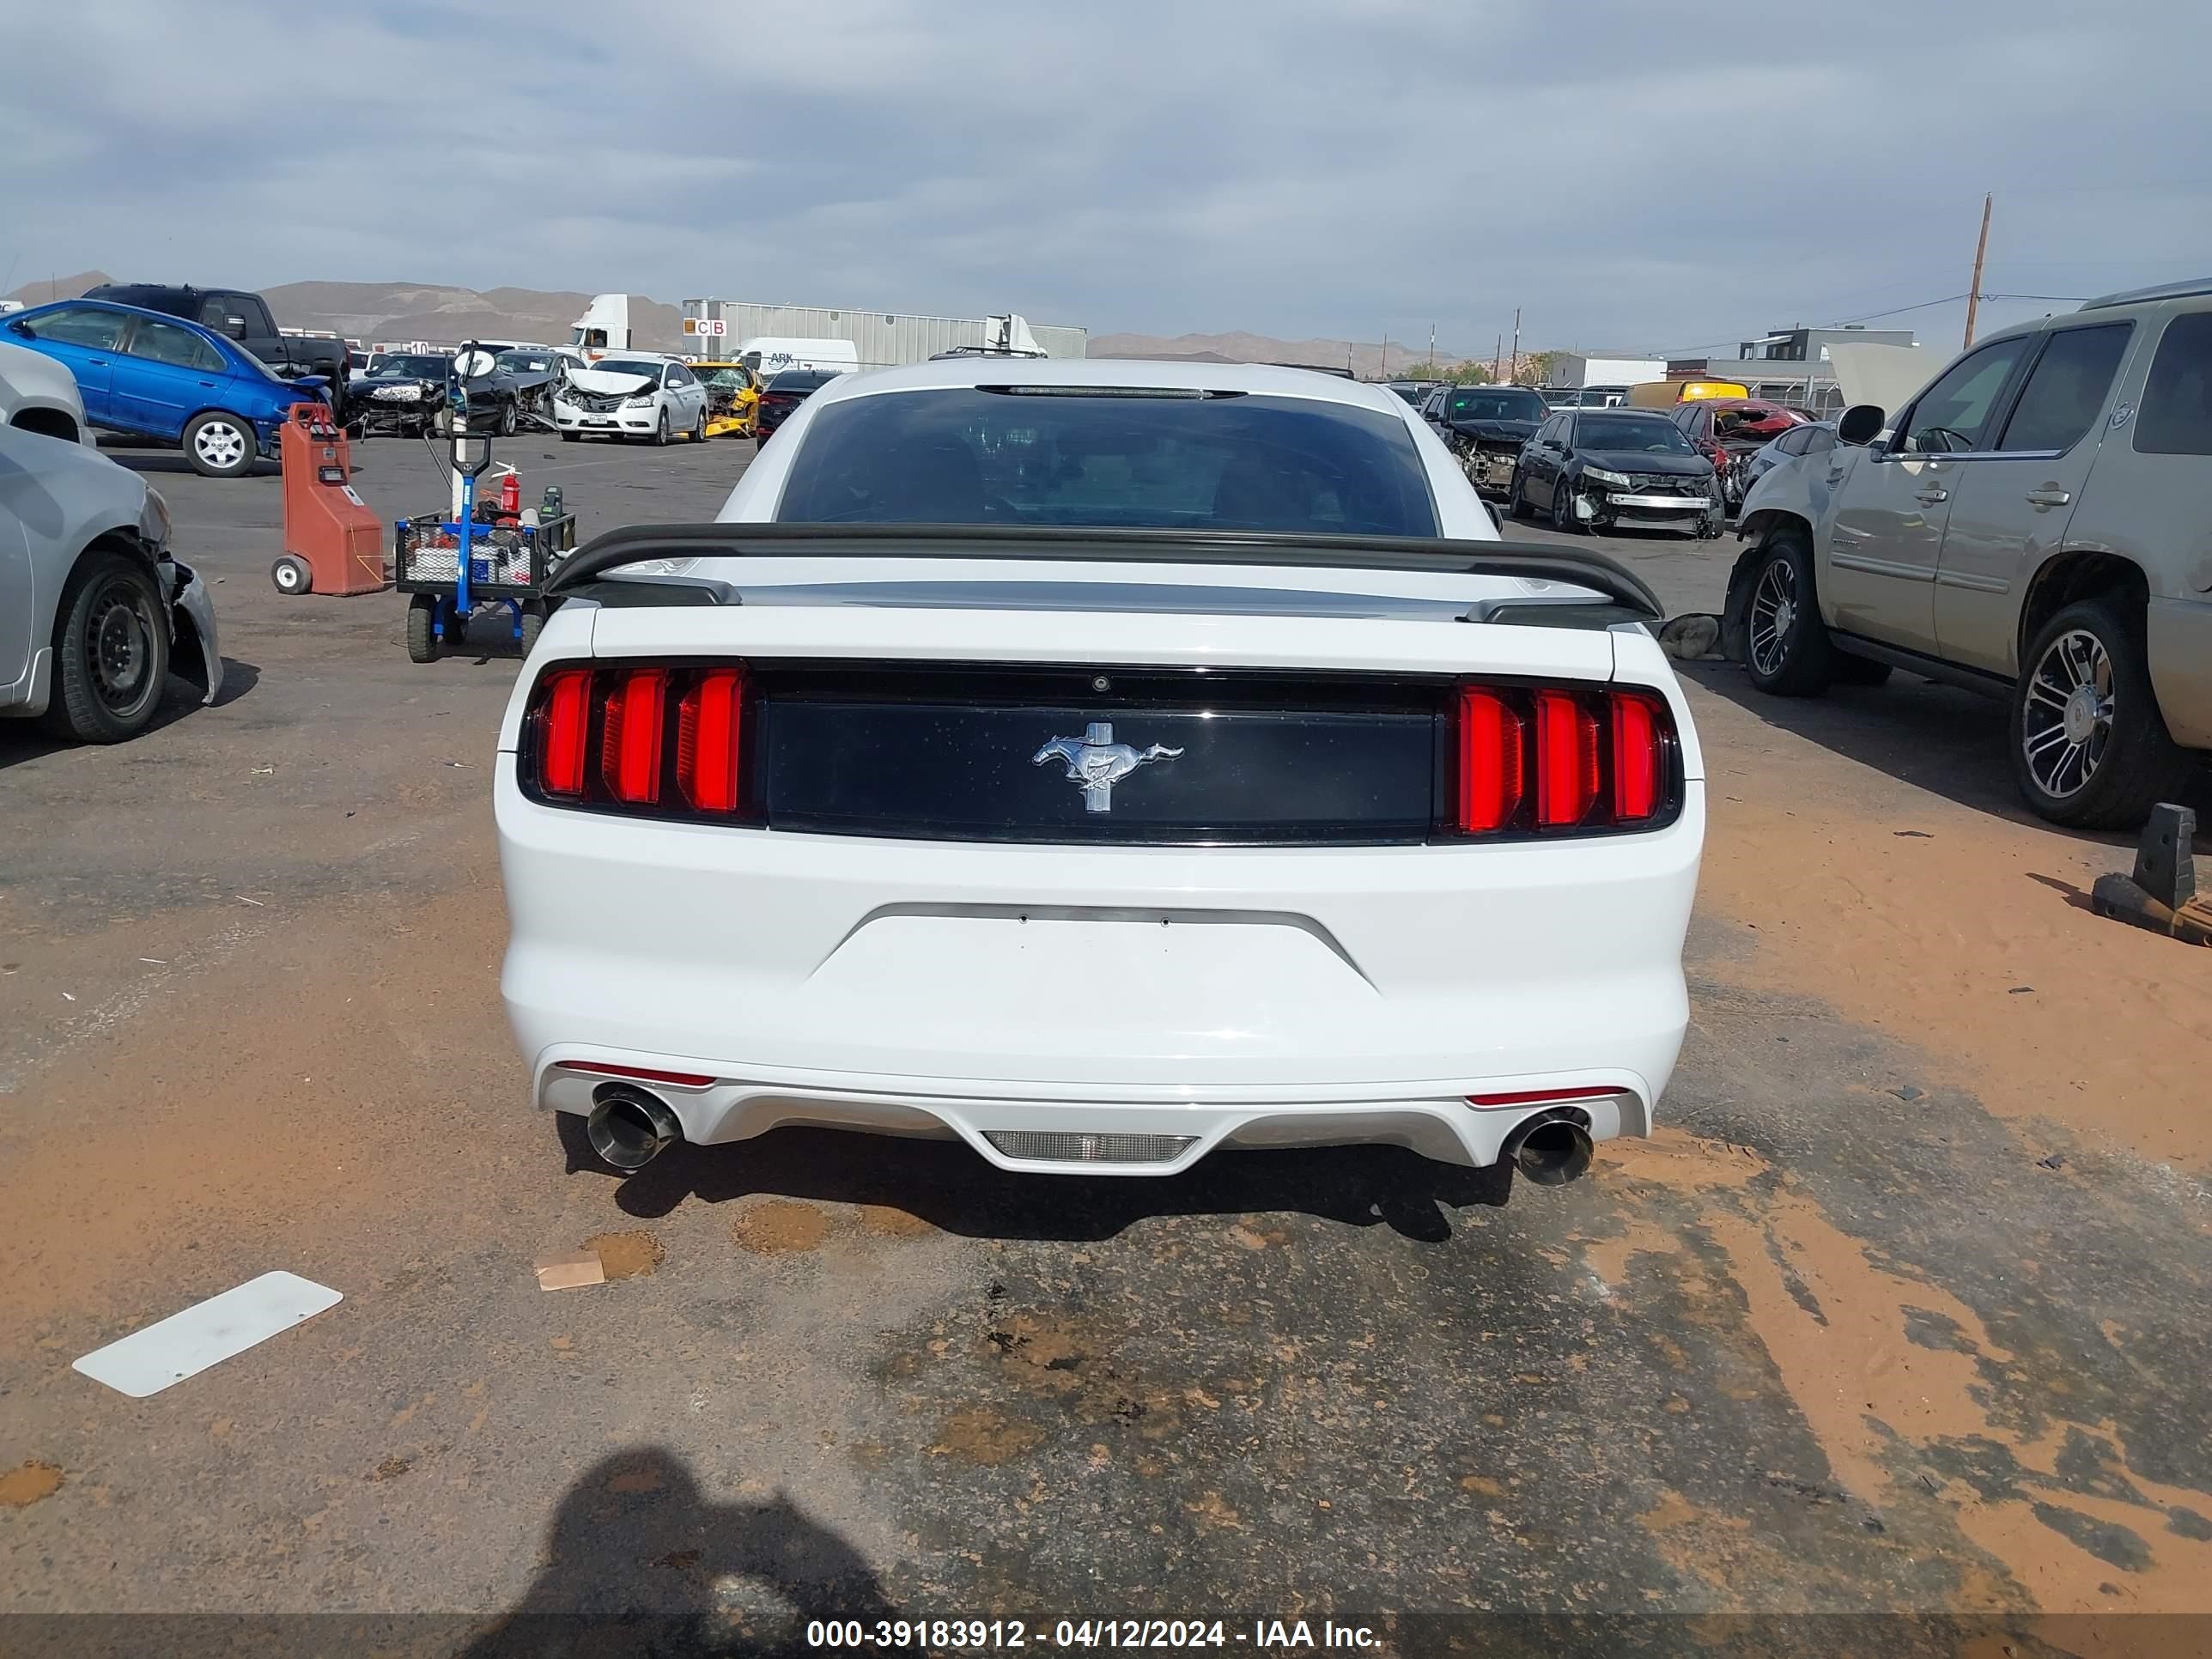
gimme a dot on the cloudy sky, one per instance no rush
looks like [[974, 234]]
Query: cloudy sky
[[1657, 176]]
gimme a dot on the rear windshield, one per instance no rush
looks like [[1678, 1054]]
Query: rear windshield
[[968, 455], [1650, 434], [801, 379], [1512, 403]]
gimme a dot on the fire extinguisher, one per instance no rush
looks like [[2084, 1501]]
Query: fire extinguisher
[[510, 495]]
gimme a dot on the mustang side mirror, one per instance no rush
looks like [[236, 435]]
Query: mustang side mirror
[[1861, 424], [23, 329]]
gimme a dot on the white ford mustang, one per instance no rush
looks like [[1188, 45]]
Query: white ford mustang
[[1103, 763]]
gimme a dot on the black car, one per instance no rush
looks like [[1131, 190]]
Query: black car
[[403, 392], [245, 317], [783, 394], [1485, 426], [1597, 469]]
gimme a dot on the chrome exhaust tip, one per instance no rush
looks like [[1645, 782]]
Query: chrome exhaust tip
[[628, 1127], [1551, 1148]]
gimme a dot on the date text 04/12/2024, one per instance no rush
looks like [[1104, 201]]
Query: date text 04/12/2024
[[1261, 1636]]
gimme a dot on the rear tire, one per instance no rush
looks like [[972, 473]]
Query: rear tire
[[422, 639], [2088, 676], [1786, 645], [533, 625], [292, 576], [698, 429], [111, 651]]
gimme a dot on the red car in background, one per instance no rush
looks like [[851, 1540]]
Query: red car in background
[[1730, 431]]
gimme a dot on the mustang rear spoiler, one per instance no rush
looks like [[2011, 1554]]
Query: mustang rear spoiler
[[586, 572]]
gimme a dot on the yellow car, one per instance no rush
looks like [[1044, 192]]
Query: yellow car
[[733, 395]]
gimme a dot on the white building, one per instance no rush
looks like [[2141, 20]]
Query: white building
[[883, 338]]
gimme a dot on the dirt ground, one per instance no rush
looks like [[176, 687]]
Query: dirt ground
[[1899, 1324]]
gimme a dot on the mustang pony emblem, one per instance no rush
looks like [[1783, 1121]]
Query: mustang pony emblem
[[1097, 762]]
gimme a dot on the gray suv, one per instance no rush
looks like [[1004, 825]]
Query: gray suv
[[2037, 524]]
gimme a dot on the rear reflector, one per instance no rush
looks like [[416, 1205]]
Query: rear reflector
[[564, 699], [642, 1073], [1566, 760], [1490, 761], [1537, 1097], [630, 735], [708, 730]]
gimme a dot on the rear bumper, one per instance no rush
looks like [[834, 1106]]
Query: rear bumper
[[2180, 640], [1235, 996]]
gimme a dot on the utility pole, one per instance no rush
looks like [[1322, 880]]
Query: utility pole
[[1981, 247], [1513, 363], [1498, 362], [1433, 348]]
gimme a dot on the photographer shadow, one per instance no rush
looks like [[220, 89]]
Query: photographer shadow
[[638, 1560]]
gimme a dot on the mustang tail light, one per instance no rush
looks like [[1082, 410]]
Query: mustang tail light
[[710, 728], [669, 736], [1490, 770], [1553, 759]]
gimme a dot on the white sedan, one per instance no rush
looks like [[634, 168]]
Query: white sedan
[[631, 395], [1102, 763]]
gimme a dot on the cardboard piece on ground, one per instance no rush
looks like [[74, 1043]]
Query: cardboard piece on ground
[[569, 1270], [186, 1344]]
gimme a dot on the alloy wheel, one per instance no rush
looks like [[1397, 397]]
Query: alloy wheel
[[2066, 722], [220, 444], [1773, 614]]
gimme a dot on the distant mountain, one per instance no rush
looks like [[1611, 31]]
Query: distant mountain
[[59, 288], [1366, 361], [446, 316]]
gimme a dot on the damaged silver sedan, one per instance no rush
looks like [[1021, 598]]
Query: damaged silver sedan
[[94, 614]]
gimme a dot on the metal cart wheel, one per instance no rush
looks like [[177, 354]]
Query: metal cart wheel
[[291, 575]]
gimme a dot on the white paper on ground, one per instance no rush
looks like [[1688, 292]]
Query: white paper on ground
[[186, 1344]]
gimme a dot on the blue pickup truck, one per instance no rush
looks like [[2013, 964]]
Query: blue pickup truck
[[148, 375]]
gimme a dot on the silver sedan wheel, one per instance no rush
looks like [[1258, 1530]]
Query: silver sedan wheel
[[220, 444], [1773, 613], [2066, 725]]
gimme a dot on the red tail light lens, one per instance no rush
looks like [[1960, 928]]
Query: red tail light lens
[[563, 707], [666, 737], [709, 730], [1492, 763], [1553, 758], [630, 732], [1640, 757], [1566, 759]]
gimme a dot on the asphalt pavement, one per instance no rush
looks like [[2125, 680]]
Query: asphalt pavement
[[1843, 1342]]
